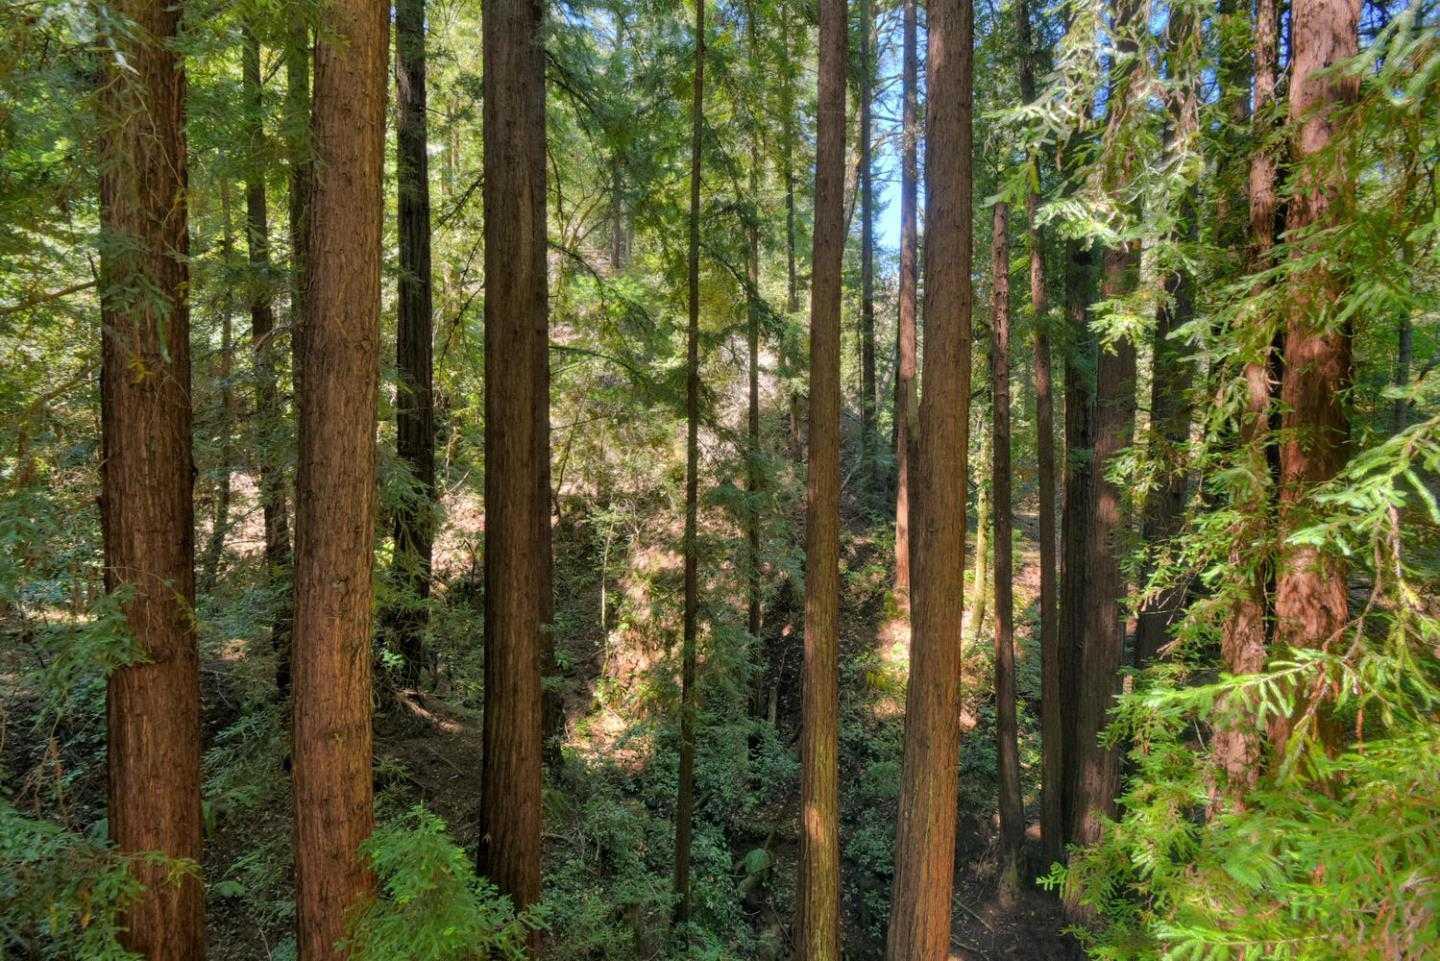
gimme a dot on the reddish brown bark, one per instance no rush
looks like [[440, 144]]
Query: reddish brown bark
[[336, 481], [1007, 746], [147, 510], [415, 399], [685, 802], [517, 448], [1311, 607], [906, 402], [818, 894], [1052, 776], [1243, 642], [925, 835]]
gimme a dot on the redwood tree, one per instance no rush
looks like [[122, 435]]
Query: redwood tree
[[685, 803], [905, 395], [152, 705], [1052, 777], [925, 836], [818, 894], [1007, 746], [336, 479], [415, 402], [517, 448], [867, 251], [1311, 598]]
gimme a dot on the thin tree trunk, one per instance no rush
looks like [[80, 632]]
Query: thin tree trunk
[[867, 257], [1074, 529], [685, 803], [752, 296], [1097, 767], [262, 335], [336, 481], [414, 335], [906, 401], [147, 512], [925, 835], [980, 581], [818, 894], [1243, 640], [1052, 830], [787, 142], [224, 371], [1405, 335], [1007, 748], [1311, 606], [517, 450]]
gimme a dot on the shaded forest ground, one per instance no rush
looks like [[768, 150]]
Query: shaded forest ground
[[608, 824]]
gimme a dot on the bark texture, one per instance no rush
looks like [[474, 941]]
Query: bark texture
[[1007, 747], [414, 333], [1052, 776], [867, 254], [685, 803], [1311, 606], [517, 448], [925, 835], [336, 480], [147, 510], [818, 895]]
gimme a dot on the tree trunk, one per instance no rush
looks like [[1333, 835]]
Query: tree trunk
[[1074, 529], [336, 481], [1052, 830], [1244, 638], [787, 143], [752, 298], [980, 581], [818, 894], [867, 259], [906, 402], [685, 803], [147, 510], [517, 449], [269, 415], [1311, 606], [301, 162], [415, 398], [224, 371], [1007, 747], [925, 835]]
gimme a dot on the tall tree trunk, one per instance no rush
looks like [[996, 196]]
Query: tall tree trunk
[[925, 835], [906, 401], [1052, 830], [818, 895], [1097, 767], [685, 803], [867, 257], [1074, 529], [262, 335], [1405, 349], [1311, 607], [152, 707], [1243, 640], [752, 302], [517, 449], [224, 371], [336, 481], [980, 581], [415, 400], [300, 157], [787, 144], [1007, 748]]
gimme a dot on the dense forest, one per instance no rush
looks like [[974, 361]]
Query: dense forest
[[725, 479]]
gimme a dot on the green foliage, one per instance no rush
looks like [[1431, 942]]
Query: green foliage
[[431, 905]]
